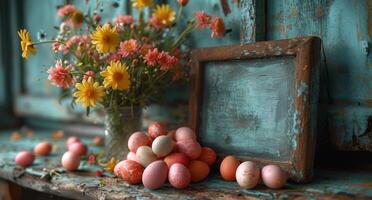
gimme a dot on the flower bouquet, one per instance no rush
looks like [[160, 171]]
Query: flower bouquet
[[120, 65]]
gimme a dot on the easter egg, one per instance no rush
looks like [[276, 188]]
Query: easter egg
[[156, 129], [155, 175], [71, 140], [145, 155], [179, 176], [118, 167], [98, 140], [189, 147], [131, 171], [138, 139], [247, 174], [207, 155], [273, 176], [176, 158], [184, 133], [132, 156], [198, 170], [228, 168], [70, 161], [162, 145], [24, 158], [43, 149], [78, 148]]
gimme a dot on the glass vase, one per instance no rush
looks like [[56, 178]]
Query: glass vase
[[119, 125]]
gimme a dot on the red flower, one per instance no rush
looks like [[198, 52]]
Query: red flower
[[55, 47], [91, 159], [218, 27], [183, 2], [166, 61], [202, 19], [99, 173]]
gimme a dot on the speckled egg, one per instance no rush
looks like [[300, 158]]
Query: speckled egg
[[78, 148], [131, 171], [177, 158], [118, 168], [207, 155], [70, 161], [199, 170], [156, 129], [179, 176], [132, 156], [138, 139], [247, 174], [72, 140], [155, 175], [189, 147], [145, 155], [228, 168], [24, 158], [273, 176], [43, 149], [184, 133], [162, 145]]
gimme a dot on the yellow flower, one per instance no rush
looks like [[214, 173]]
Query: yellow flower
[[89, 92], [140, 4], [110, 165], [165, 14], [105, 38], [26, 43], [116, 76]]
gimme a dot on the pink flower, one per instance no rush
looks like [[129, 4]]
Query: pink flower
[[82, 41], [128, 47], [60, 76], [122, 20], [55, 47], [88, 74], [96, 18], [166, 61], [151, 57], [114, 57], [202, 19], [145, 49], [218, 27], [156, 23], [66, 10], [178, 74], [91, 159]]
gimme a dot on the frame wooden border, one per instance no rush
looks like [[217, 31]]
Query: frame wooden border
[[306, 51]]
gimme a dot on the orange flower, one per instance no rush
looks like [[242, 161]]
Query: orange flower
[[218, 27]]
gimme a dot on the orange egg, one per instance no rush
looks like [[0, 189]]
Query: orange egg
[[98, 140], [117, 168], [78, 148], [156, 129], [72, 140], [207, 155], [138, 139], [24, 158], [177, 158], [131, 171], [228, 168], [199, 170], [43, 149], [70, 161]]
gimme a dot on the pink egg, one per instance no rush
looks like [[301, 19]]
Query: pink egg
[[189, 147], [118, 168], [71, 140], [156, 129], [98, 140], [43, 149], [248, 174], [70, 161], [24, 158], [184, 133], [78, 148], [155, 175], [273, 176], [179, 176], [172, 134], [132, 156], [138, 139]]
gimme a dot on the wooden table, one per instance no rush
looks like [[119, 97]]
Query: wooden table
[[83, 184]]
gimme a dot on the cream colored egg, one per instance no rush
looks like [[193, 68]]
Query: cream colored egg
[[162, 145], [145, 155], [247, 175]]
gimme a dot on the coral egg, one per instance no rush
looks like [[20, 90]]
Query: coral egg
[[189, 147], [179, 176], [138, 139], [207, 155], [199, 170], [228, 168], [117, 168], [78, 148], [156, 129], [132, 156], [43, 149], [176, 158], [70, 161], [273, 176], [155, 175], [184, 133], [98, 140], [24, 158], [131, 171], [72, 140]]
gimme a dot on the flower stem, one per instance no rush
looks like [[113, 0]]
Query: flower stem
[[47, 41]]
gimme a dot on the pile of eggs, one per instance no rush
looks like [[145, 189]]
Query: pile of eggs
[[159, 156], [248, 174]]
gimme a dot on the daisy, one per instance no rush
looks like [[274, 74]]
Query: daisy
[[164, 14], [105, 38], [89, 93], [26, 43], [116, 76], [141, 4]]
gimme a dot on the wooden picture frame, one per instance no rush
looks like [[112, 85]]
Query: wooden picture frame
[[305, 53]]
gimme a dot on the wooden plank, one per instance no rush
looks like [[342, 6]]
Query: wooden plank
[[82, 184], [244, 100], [252, 21]]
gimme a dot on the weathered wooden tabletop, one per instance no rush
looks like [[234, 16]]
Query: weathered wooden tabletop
[[83, 184]]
